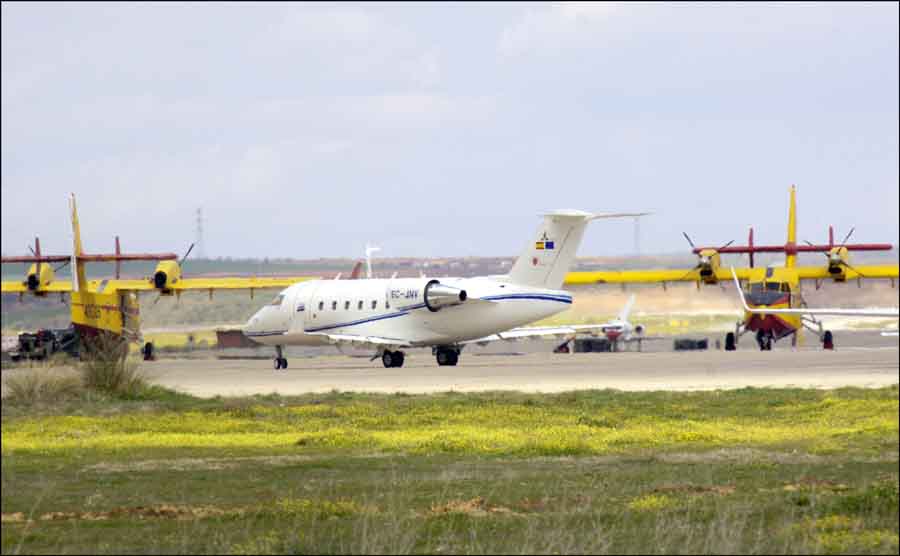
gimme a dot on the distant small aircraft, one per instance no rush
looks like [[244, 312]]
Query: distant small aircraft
[[446, 315]]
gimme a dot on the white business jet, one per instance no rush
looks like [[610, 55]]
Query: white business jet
[[447, 314]]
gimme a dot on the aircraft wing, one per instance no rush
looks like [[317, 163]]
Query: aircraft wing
[[185, 284], [238, 283], [883, 313], [14, 287], [646, 276], [55, 286], [369, 341], [536, 332], [882, 271], [189, 284]]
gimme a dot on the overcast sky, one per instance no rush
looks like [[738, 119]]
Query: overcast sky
[[305, 130]]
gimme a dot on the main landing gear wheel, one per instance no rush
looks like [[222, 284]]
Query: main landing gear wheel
[[447, 357], [730, 344], [280, 361], [392, 359], [828, 340]]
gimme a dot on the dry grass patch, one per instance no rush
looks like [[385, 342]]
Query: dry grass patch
[[42, 385], [719, 490], [476, 507]]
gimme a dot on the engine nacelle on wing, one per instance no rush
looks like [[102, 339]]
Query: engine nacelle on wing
[[708, 264], [438, 295], [165, 276], [36, 281], [639, 330], [838, 258]]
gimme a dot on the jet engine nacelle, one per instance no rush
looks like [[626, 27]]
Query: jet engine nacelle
[[438, 296], [165, 276], [36, 281]]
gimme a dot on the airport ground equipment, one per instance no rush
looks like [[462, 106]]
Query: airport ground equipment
[[43, 343]]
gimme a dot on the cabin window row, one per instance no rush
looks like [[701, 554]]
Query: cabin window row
[[359, 305]]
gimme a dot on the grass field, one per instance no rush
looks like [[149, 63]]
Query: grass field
[[751, 471]]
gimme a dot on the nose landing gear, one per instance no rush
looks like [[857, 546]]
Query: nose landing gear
[[764, 339]]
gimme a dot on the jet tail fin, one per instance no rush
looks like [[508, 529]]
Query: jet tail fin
[[626, 310], [548, 257]]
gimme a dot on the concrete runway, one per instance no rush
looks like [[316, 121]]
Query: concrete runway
[[537, 372]]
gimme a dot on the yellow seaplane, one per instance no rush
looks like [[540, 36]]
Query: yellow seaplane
[[771, 287], [111, 306]]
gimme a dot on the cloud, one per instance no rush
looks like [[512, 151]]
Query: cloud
[[555, 26]]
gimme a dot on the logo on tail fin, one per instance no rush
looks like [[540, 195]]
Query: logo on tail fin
[[545, 243]]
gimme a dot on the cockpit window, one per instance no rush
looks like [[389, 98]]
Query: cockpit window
[[278, 299], [773, 286]]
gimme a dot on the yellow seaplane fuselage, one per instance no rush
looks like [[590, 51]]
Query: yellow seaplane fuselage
[[772, 288]]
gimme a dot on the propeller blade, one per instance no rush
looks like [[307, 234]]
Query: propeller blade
[[191, 248], [688, 273], [63, 265], [726, 245], [850, 233], [811, 244], [37, 253], [861, 275], [688, 240]]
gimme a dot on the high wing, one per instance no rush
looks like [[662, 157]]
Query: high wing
[[647, 276], [188, 284], [883, 271], [185, 284], [884, 313]]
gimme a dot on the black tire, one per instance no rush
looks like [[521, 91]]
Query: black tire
[[277, 362], [730, 344], [387, 359], [148, 351], [284, 363], [454, 358], [398, 358], [828, 340]]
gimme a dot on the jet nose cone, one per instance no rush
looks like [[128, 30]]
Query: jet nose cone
[[252, 323]]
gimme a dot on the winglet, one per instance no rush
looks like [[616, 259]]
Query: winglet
[[626, 310]]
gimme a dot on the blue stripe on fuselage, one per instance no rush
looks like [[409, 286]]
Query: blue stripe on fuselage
[[406, 310]]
